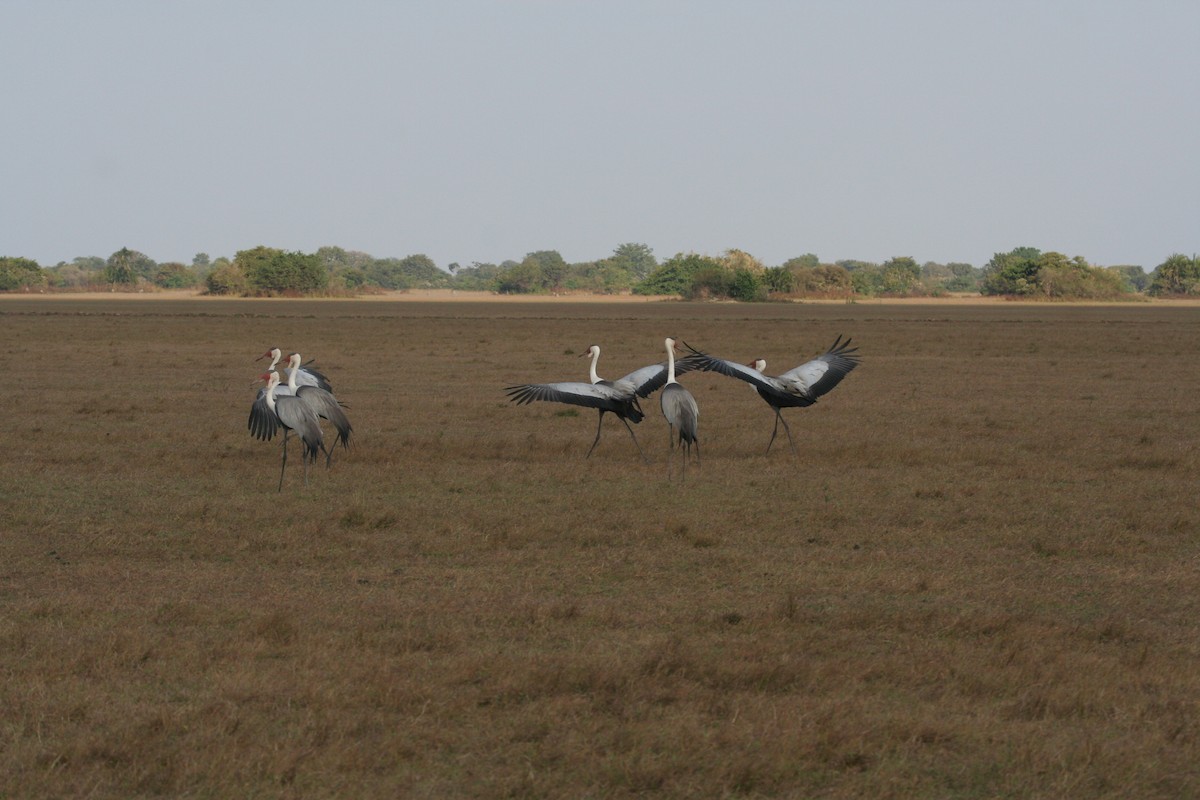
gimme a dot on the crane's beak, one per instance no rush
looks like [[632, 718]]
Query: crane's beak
[[264, 355]]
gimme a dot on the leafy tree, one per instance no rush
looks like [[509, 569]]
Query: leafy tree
[[964, 277], [952, 277], [539, 271], [201, 262], [521, 278], [388, 273], [605, 276], [853, 265], [272, 271], [674, 276], [822, 279], [735, 260], [865, 277], [20, 273], [63, 274], [1177, 275], [173, 275], [779, 280], [1028, 272], [349, 269], [89, 263], [336, 259], [1061, 277], [636, 259], [254, 261], [747, 286], [1014, 272], [349, 277], [477, 277], [900, 276], [550, 265], [422, 272], [806, 261], [710, 281], [125, 266], [80, 272], [1133, 276], [226, 277], [289, 272]]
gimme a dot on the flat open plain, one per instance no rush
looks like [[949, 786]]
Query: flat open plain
[[980, 578]]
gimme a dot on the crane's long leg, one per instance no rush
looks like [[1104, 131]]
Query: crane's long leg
[[774, 431], [597, 439], [635, 441], [778, 419], [788, 431], [670, 448], [283, 465]]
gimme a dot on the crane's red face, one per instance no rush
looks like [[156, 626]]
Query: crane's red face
[[266, 377]]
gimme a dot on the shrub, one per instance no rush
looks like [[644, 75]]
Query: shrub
[[286, 273], [226, 279], [20, 273]]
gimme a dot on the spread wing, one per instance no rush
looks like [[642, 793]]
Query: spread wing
[[592, 395], [648, 380], [326, 406], [735, 370], [819, 376], [263, 423]]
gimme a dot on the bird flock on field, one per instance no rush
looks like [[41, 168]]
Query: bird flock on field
[[797, 387], [306, 398]]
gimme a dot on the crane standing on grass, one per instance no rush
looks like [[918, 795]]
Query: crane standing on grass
[[681, 411], [321, 401]]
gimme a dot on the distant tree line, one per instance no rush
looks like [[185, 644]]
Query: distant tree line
[[631, 268]]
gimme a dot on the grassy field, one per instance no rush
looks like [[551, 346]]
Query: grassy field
[[979, 580]]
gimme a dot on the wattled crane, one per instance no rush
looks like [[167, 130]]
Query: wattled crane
[[681, 411], [799, 387]]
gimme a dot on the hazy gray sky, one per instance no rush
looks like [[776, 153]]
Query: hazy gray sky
[[483, 130]]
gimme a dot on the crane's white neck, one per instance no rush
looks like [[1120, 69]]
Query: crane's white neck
[[292, 369], [670, 343], [272, 382], [592, 376], [276, 354]]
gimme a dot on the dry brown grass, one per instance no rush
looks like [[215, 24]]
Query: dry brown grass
[[980, 580]]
